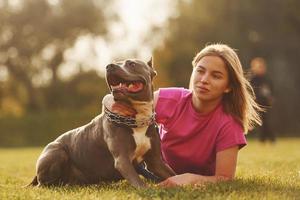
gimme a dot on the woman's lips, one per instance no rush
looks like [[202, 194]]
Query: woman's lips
[[203, 89]]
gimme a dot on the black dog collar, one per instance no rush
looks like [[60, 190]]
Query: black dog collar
[[129, 121]]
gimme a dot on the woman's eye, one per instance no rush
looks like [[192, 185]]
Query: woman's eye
[[217, 77], [200, 71]]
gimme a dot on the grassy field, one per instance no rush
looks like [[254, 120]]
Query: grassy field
[[264, 172]]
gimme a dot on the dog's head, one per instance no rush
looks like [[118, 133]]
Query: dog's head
[[130, 80]]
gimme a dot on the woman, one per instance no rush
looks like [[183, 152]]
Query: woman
[[202, 128]]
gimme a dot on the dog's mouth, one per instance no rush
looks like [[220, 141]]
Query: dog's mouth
[[118, 84], [132, 87]]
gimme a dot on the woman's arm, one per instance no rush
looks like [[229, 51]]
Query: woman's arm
[[225, 170]]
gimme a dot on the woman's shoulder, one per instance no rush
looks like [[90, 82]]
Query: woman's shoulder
[[230, 133], [227, 119], [168, 102], [173, 93]]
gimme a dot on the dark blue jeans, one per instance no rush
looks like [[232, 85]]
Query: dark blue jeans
[[142, 170]]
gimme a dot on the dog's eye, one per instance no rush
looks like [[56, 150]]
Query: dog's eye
[[130, 63]]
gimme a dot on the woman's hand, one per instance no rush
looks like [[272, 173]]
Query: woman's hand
[[191, 179], [181, 180], [122, 108], [118, 107]]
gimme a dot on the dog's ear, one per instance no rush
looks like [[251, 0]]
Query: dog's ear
[[153, 73], [150, 64]]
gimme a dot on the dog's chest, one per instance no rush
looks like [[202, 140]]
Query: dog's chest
[[142, 143]]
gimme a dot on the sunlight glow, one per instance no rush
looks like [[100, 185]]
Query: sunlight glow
[[53, 2], [128, 37]]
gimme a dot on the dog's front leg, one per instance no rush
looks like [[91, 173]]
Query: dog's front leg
[[121, 148], [125, 167], [156, 165], [154, 159]]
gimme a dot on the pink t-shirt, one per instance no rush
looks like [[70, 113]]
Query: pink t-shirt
[[190, 140]]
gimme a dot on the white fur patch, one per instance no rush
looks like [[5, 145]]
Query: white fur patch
[[144, 112], [142, 143]]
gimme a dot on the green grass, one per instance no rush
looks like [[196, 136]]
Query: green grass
[[264, 172]]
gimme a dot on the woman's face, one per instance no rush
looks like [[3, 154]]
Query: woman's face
[[210, 79]]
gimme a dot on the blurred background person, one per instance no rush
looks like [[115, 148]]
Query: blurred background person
[[263, 90]]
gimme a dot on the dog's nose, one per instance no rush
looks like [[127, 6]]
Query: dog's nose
[[110, 66]]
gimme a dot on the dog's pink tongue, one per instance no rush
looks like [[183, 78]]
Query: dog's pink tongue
[[135, 87]]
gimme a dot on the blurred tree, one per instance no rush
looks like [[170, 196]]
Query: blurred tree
[[84, 92], [35, 34], [255, 28]]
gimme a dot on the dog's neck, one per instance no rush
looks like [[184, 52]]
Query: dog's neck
[[144, 109], [145, 115]]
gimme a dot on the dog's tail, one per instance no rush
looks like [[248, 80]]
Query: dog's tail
[[34, 182]]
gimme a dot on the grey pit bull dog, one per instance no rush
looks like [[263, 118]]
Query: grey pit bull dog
[[110, 146]]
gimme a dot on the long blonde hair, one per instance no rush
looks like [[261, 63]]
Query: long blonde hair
[[239, 102]]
